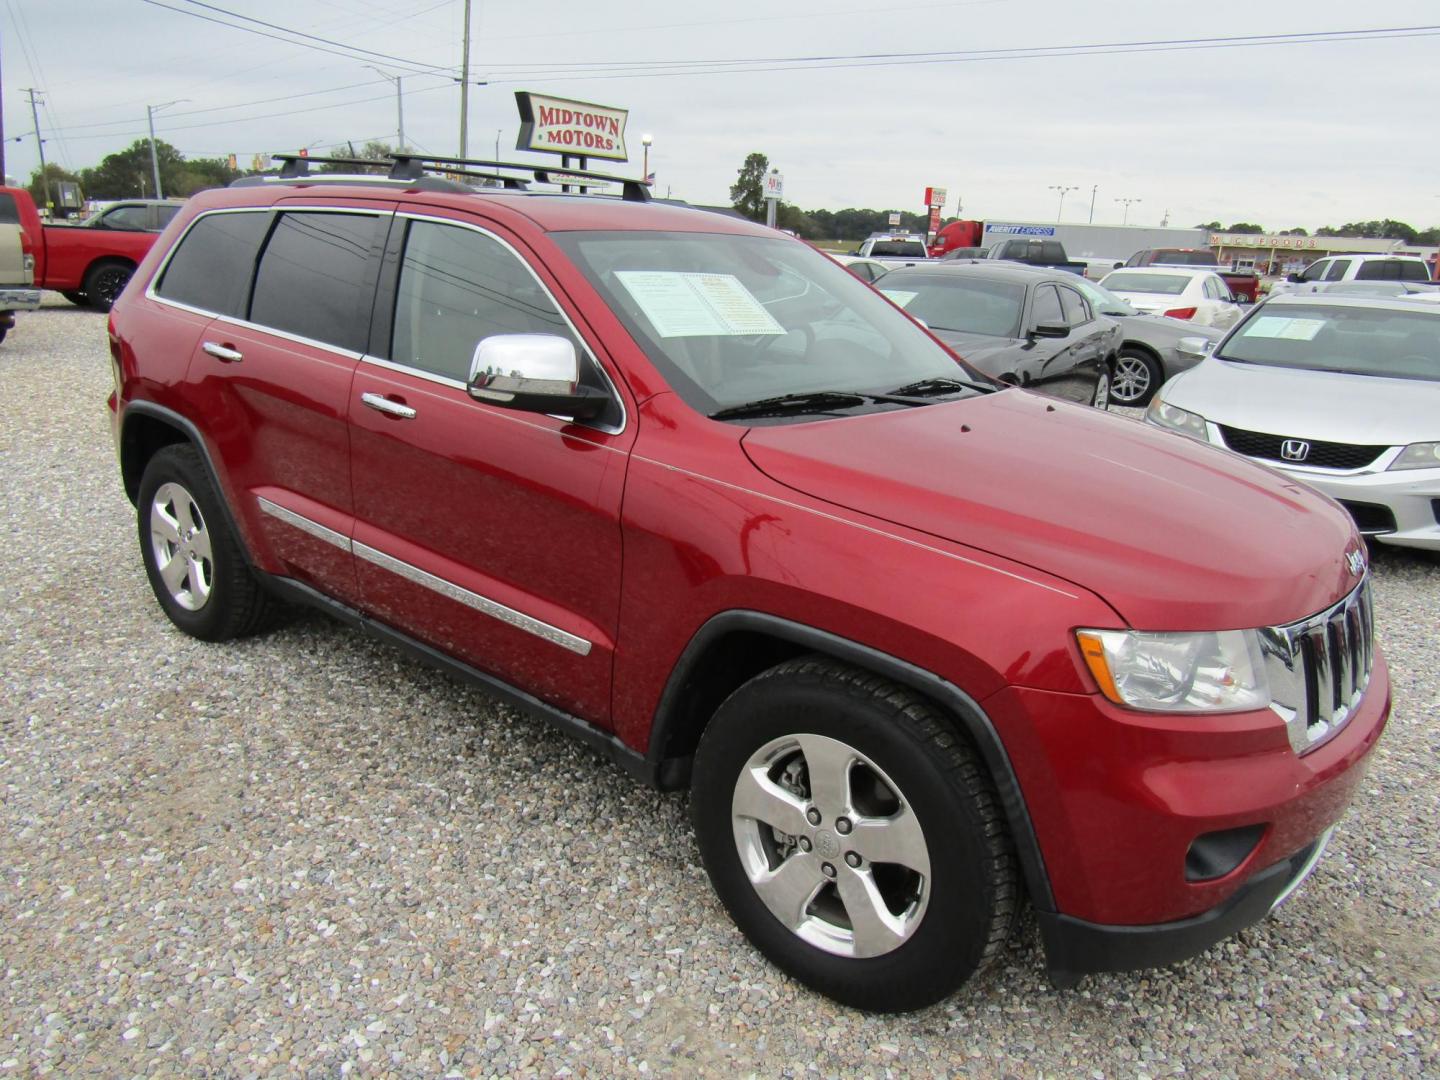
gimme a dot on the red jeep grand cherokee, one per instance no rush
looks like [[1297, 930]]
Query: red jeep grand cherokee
[[918, 645]]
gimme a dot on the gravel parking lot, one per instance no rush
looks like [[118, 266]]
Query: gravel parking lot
[[306, 854]]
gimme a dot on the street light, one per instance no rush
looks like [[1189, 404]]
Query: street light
[[645, 141], [1062, 189], [150, 111], [465, 84], [399, 106], [1127, 203]]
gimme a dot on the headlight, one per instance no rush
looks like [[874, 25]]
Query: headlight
[[1163, 414], [1420, 455], [1207, 672]]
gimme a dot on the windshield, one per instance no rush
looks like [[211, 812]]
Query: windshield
[[1141, 281], [735, 319], [968, 305], [1356, 340], [1102, 299]]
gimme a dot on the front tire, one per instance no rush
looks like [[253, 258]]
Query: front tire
[[853, 836], [1137, 377], [79, 299], [193, 561], [1101, 398], [105, 281]]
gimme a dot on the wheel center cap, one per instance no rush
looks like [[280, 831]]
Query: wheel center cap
[[827, 844]]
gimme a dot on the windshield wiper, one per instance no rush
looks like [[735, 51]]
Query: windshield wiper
[[942, 384], [815, 401]]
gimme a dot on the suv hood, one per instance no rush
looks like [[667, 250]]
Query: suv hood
[[1303, 404], [1173, 534]]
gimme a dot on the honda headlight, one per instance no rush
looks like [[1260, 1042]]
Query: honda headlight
[[1207, 672], [1162, 414], [1420, 455]]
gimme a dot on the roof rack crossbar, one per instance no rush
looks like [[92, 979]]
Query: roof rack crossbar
[[295, 166], [633, 190]]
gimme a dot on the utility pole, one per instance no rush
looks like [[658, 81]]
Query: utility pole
[[465, 83], [39, 145], [1093, 190], [150, 111], [399, 105]]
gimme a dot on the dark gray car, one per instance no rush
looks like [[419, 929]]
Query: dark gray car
[[1148, 353], [1023, 326]]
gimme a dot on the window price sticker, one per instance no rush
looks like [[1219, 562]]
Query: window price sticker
[[697, 305]]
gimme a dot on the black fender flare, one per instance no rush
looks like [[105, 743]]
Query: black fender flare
[[972, 718]]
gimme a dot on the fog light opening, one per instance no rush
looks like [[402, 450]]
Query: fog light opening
[[1215, 854]]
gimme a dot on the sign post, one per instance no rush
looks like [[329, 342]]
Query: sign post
[[934, 200], [774, 192]]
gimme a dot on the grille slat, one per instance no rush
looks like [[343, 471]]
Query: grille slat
[[1322, 455], [1319, 668]]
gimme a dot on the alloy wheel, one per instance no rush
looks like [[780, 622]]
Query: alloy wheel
[[181, 546]]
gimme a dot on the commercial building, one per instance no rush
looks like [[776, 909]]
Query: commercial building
[[1271, 254]]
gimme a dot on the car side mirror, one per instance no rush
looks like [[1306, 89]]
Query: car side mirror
[[1197, 348], [1294, 279], [537, 373], [1050, 330]]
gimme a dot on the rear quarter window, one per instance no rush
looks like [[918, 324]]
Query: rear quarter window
[[213, 263], [9, 212]]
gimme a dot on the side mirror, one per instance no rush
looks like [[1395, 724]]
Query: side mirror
[[1294, 278], [1197, 348], [533, 373], [1050, 330]]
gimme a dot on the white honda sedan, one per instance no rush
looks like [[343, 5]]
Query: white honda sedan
[[1342, 393], [1197, 295]]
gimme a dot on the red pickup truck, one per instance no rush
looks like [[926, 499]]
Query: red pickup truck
[[923, 647], [90, 263]]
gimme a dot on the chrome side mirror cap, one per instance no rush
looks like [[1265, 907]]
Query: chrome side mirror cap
[[533, 373]]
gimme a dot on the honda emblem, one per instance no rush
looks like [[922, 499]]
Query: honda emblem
[[1294, 450]]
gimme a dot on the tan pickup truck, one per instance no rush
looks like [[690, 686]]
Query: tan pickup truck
[[17, 267]]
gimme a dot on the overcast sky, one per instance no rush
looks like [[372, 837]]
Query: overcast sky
[[1281, 135]]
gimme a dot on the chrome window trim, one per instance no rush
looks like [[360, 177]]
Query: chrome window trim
[[482, 604], [434, 219], [304, 524]]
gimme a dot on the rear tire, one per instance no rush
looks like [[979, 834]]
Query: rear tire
[[853, 835], [105, 281], [79, 299], [193, 560]]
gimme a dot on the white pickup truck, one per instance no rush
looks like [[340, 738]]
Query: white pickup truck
[[893, 247], [1323, 273]]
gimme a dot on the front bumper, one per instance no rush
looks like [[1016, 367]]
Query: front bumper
[[1411, 497], [19, 299], [1074, 947]]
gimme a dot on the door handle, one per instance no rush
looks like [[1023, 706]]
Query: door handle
[[388, 407], [223, 352]]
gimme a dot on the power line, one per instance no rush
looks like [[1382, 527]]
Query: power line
[[415, 67]]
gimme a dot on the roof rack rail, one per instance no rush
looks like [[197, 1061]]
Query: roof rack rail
[[412, 166]]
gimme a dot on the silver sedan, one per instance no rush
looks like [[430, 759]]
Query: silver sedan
[[1149, 352], [1342, 393]]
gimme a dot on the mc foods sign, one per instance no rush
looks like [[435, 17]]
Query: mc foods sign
[[551, 125]]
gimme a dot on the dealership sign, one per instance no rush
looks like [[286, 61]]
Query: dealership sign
[[551, 125]]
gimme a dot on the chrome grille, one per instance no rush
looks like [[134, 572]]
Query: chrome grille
[[1319, 668]]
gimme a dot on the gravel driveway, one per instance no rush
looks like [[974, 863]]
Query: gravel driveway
[[307, 855]]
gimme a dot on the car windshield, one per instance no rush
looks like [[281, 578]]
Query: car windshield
[[735, 319], [970, 305], [1141, 281], [1356, 340], [1102, 299]]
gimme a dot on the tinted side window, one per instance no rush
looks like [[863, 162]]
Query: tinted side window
[[1413, 271], [458, 286], [9, 214], [165, 214], [1077, 312], [1315, 271], [1337, 270], [1376, 270], [312, 276], [1047, 307], [212, 266]]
